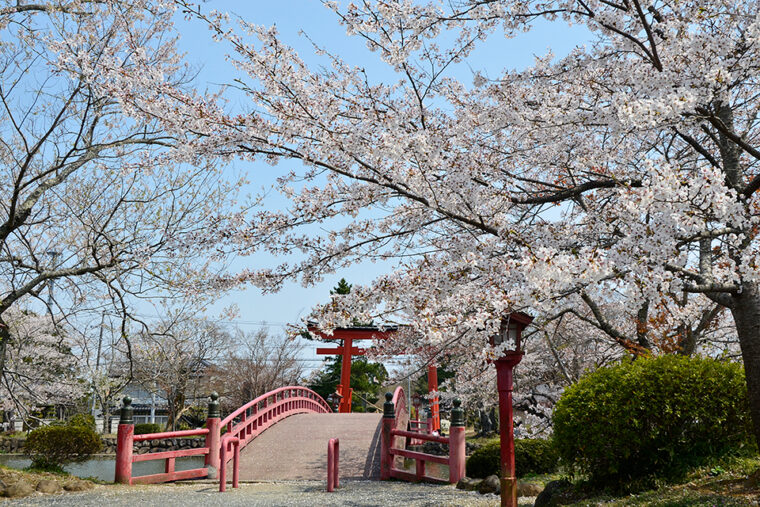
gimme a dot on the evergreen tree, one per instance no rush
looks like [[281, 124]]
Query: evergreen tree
[[366, 377]]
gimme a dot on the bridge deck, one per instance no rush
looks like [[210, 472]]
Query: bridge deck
[[296, 448]]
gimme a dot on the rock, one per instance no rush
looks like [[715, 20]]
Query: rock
[[550, 496], [78, 486], [490, 484], [48, 487], [212, 472], [528, 489], [143, 450], [18, 490], [469, 484]]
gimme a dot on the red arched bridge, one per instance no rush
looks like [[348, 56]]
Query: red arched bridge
[[291, 433]]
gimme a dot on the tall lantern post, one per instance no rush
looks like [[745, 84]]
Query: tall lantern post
[[508, 339]]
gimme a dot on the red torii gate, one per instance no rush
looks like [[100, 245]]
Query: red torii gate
[[348, 335]]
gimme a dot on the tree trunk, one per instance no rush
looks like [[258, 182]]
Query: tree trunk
[[746, 313]]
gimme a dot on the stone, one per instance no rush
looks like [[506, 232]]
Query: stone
[[212, 472], [143, 450], [469, 484], [552, 492], [19, 489], [78, 486], [529, 488], [490, 484], [49, 487]]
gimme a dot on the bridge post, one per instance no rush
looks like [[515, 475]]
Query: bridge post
[[456, 444], [124, 442], [213, 436], [386, 439]]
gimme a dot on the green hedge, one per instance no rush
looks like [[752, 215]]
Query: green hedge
[[145, 428], [652, 417], [532, 456], [53, 446], [84, 420]]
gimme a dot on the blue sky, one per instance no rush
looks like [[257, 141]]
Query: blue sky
[[321, 25]]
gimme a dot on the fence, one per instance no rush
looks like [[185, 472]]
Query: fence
[[242, 426], [393, 438]]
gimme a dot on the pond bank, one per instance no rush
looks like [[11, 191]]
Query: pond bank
[[102, 466]]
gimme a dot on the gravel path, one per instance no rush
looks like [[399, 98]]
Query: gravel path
[[285, 493]]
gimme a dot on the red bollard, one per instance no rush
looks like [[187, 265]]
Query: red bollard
[[333, 460], [235, 463]]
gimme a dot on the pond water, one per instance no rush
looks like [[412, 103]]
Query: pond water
[[103, 467]]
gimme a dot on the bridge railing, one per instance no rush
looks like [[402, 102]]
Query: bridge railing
[[247, 422], [125, 456], [394, 436], [242, 426]]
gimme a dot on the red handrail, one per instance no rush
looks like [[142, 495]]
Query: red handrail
[[285, 401], [316, 398], [266, 410]]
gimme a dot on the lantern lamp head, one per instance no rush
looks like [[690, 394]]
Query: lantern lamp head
[[510, 332]]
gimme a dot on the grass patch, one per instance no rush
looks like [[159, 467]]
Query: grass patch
[[730, 481], [49, 469]]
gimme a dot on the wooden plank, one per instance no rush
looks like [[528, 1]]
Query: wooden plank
[[355, 351], [443, 460], [407, 476], [421, 436], [170, 434], [169, 454], [176, 476]]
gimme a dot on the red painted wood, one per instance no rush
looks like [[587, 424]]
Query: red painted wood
[[169, 454], [353, 333], [333, 460], [170, 434], [227, 440], [420, 456], [434, 402], [236, 465], [169, 466], [457, 457], [355, 351], [124, 439], [504, 367], [386, 439], [408, 476], [212, 442], [175, 476], [421, 436], [419, 469]]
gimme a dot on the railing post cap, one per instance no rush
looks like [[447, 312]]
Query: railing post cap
[[389, 410], [457, 414], [125, 417], [213, 405]]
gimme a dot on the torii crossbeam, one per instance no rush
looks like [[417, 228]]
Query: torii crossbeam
[[348, 335]]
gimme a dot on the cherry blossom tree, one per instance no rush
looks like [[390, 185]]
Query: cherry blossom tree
[[97, 208], [41, 369], [617, 184]]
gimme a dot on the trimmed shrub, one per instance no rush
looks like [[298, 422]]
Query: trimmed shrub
[[532, 456], [625, 424], [53, 446], [145, 428], [84, 420]]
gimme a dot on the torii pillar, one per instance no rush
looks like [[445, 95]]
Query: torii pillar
[[435, 413], [348, 335]]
